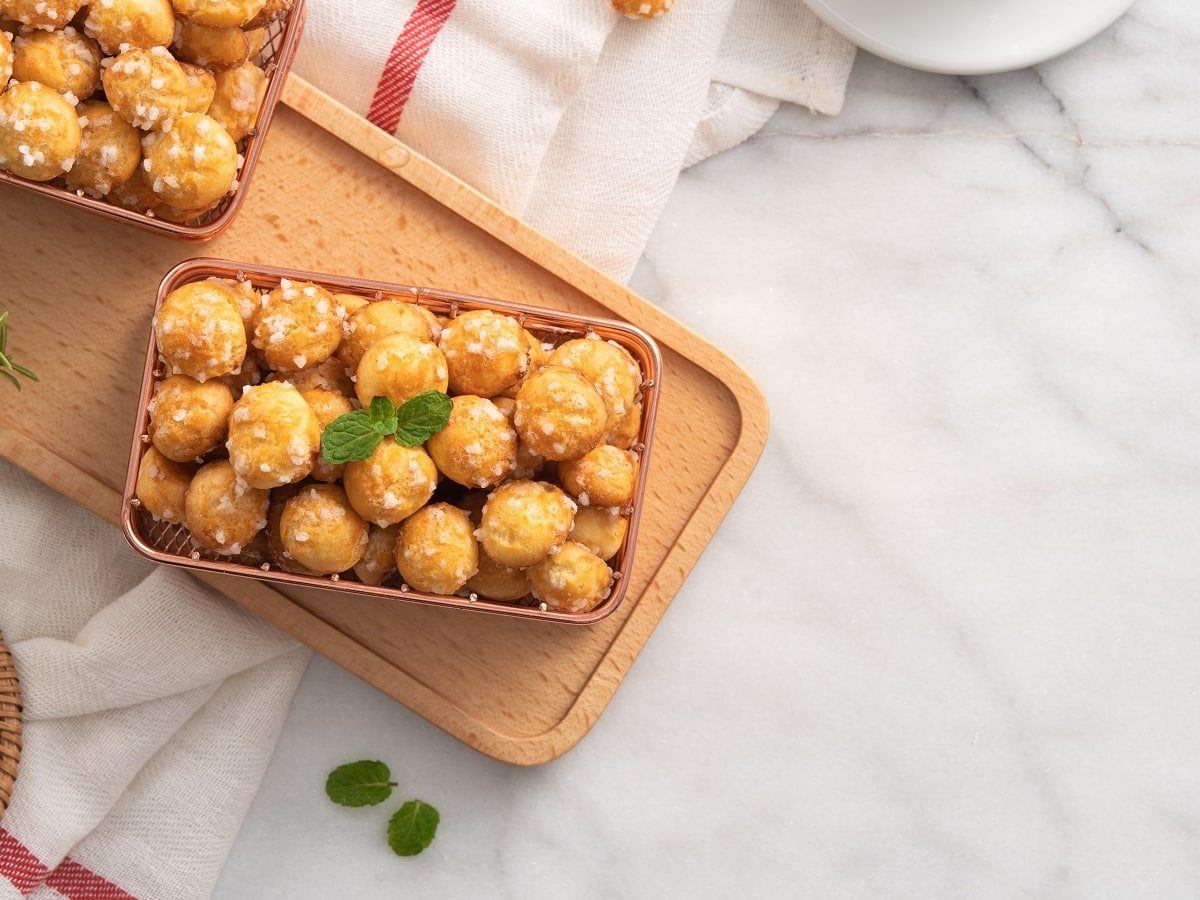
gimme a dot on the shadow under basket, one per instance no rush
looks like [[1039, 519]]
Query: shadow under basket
[[282, 38], [171, 544]]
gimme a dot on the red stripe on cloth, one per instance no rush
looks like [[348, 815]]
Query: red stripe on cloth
[[18, 865], [74, 881], [404, 62]]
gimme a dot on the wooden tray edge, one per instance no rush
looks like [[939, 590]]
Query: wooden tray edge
[[59, 475]]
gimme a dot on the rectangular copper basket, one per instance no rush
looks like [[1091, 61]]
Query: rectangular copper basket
[[279, 49], [170, 544]]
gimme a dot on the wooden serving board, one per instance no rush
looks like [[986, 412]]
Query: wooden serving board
[[334, 194]]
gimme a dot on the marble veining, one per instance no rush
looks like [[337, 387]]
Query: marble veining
[[946, 643]]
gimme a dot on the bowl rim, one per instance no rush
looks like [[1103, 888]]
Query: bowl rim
[[1033, 37]]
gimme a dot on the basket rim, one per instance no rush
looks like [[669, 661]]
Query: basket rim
[[647, 350]]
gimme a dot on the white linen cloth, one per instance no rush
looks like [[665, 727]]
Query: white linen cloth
[[152, 704]]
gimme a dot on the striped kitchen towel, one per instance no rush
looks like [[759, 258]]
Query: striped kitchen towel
[[565, 113]]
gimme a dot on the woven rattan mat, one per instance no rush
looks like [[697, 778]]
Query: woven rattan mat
[[10, 724]]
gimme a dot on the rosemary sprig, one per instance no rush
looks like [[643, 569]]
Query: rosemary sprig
[[8, 367]]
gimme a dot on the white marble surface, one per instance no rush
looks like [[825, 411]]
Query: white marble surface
[[946, 644]]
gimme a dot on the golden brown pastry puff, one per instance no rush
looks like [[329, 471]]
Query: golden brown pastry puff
[[486, 351], [46, 15], [130, 23], [110, 150], [219, 13], [297, 325], [65, 61], [602, 477], [477, 447], [436, 550], [274, 437], [221, 511], [559, 414], [189, 418], [391, 484], [162, 485], [572, 579], [193, 165], [39, 132], [199, 331], [523, 521], [321, 531]]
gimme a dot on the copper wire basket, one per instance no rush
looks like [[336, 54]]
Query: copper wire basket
[[164, 542], [282, 37]]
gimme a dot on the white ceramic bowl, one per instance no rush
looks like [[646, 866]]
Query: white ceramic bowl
[[969, 37]]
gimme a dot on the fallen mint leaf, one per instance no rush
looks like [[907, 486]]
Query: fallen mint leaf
[[363, 783], [412, 828]]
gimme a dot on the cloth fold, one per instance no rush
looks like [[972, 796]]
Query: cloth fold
[[151, 707]]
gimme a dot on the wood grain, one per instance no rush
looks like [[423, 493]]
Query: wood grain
[[328, 199]]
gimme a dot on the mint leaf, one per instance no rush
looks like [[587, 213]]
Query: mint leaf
[[349, 438], [354, 436], [422, 417], [412, 828], [363, 783], [383, 416]]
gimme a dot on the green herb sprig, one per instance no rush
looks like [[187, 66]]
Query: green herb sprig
[[9, 367], [354, 436], [368, 782]]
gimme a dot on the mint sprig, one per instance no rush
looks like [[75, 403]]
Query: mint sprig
[[412, 828], [354, 436], [422, 417], [363, 783], [8, 367]]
